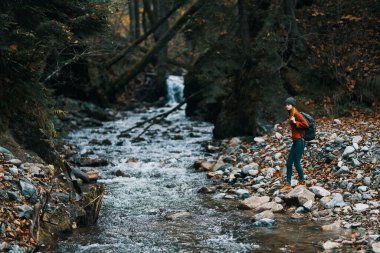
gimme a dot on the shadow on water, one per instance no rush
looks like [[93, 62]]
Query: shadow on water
[[158, 179]]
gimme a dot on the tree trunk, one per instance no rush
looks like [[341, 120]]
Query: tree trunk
[[132, 20], [129, 49], [244, 27], [125, 78], [296, 41], [137, 19]]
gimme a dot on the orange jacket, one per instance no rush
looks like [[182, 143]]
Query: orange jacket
[[301, 122]]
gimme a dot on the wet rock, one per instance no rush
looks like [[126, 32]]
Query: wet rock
[[333, 226], [13, 196], [361, 207], [207, 190], [24, 211], [120, 173], [297, 216], [278, 135], [253, 202], [264, 215], [337, 121], [80, 174], [319, 191], [329, 245], [207, 166], [265, 222], [106, 142], [299, 196], [363, 188], [93, 161], [28, 190]]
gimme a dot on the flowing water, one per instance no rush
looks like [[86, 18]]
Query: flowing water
[[158, 179]]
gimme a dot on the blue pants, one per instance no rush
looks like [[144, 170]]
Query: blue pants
[[295, 156]]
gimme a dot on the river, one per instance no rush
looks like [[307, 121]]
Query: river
[[157, 179]]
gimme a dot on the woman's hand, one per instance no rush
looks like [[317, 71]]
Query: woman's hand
[[293, 119]]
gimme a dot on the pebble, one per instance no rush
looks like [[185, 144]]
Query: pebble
[[177, 215], [360, 207], [333, 226], [16, 162], [362, 188], [355, 162], [367, 181], [337, 121], [348, 150], [259, 139]]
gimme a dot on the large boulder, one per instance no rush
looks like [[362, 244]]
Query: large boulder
[[299, 196]]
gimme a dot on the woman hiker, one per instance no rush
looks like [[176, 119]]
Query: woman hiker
[[297, 122]]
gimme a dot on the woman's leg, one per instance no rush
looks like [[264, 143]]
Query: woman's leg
[[299, 149], [289, 163]]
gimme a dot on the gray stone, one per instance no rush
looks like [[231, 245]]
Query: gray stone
[[356, 146], [28, 190], [360, 207], [301, 209], [343, 170], [277, 155], [376, 247], [4, 150], [367, 181], [336, 201], [308, 205], [362, 188], [16, 162], [273, 206], [319, 191], [253, 202], [299, 196], [25, 211], [13, 170], [348, 150], [356, 139], [264, 223], [264, 215], [355, 162], [337, 121], [13, 196], [241, 192], [259, 139]]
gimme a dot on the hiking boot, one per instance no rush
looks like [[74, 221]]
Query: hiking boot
[[302, 183], [286, 188]]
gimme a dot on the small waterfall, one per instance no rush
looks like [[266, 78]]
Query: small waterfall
[[175, 86]]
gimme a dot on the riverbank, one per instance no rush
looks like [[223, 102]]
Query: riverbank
[[342, 176]]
